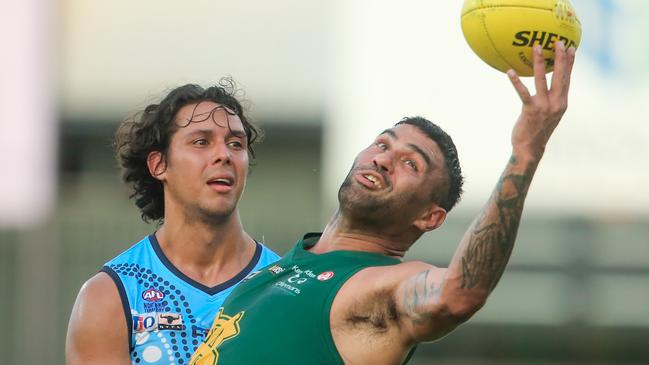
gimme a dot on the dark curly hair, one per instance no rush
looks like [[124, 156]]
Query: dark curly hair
[[450, 194], [151, 130]]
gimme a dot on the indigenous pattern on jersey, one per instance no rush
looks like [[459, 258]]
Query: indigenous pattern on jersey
[[167, 313], [280, 315]]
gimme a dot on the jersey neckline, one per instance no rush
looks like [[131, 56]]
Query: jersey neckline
[[206, 289], [311, 239]]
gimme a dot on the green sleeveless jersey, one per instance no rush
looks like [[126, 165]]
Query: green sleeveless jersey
[[280, 314]]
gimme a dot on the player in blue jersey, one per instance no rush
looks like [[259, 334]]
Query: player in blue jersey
[[187, 159]]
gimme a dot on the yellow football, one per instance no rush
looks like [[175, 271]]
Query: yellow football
[[502, 32]]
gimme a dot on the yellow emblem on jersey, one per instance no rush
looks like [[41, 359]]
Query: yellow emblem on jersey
[[224, 328]]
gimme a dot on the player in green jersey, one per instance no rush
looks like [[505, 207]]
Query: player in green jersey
[[346, 296]]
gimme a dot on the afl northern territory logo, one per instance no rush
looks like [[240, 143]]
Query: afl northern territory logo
[[152, 295]]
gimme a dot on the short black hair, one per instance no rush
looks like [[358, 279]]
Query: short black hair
[[450, 194], [151, 130]]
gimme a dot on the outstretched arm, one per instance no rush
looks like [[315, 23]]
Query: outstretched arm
[[486, 247], [435, 301]]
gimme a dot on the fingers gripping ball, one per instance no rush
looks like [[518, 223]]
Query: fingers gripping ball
[[502, 32]]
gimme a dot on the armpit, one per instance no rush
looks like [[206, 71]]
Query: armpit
[[376, 312]]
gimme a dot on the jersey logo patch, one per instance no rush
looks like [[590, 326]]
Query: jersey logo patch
[[326, 275], [224, 328], [170, 321], [157, 321], [152, 295], [145, 322], [276, 269]]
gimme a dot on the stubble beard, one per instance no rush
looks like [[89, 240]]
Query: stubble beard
[[365, 210], [209, 213]]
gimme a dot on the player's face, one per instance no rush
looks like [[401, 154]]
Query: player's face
[[207, 160], [392, 180]]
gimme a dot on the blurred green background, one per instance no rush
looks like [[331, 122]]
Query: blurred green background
[[577, 288]]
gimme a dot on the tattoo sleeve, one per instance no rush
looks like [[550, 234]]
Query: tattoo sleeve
[[436, 301], [421, 290], [486, 248]]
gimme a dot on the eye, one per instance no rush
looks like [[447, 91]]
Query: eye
[[235, 144], [411, 164], [382, 146], [200, 142]]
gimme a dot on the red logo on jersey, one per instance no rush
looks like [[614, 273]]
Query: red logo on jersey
[[144, 323], [152, 295], [326, 275]]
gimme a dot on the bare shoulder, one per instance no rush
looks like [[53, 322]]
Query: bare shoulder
[[98, 295], [99, 288], [97, 331]]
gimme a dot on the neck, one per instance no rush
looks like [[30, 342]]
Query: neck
[[207, 252], [341, 234]]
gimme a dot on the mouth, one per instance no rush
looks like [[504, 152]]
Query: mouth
[[373, 181], [221, 183]]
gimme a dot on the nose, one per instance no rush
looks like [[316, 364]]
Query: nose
[[384, 161], [220, 153]]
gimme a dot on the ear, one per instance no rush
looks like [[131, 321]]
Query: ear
[[432, 218], [157, 165]]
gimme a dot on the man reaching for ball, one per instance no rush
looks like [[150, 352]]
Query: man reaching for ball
[[346, 296]]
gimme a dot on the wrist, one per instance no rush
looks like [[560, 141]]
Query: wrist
[[528, 153]]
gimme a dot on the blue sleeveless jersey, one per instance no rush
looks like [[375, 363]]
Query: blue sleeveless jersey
[[167, 313]]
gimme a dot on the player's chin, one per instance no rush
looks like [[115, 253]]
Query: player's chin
[[218, 210], [361, 198]]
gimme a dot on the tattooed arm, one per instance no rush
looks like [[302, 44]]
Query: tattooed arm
[[435, 301]]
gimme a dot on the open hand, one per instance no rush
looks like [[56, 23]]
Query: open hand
[[542, 112]]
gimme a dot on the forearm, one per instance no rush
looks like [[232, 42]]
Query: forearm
[[484, 251], [448, 297], [486, 247], [437, 300]]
